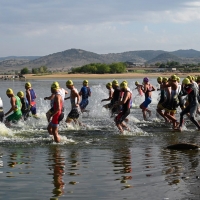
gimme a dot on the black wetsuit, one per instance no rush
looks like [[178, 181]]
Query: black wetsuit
[[116, 97], [25, 108], [193, 95], [124, 112]]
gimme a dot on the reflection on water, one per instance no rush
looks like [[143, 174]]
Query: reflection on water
[[122, 163], [57, 166]]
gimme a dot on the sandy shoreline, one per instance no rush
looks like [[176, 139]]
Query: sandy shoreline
[[106, 76]]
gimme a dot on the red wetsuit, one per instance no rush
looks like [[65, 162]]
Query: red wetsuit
[[56, 118]]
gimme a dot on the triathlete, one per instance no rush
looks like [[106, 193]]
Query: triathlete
[[192, 106], [148, 88], [160, 107], [25, 105], [31, 96], [75, 100], [173, 101], [116, 98], [85, 92], [139, 88], [57, 114], [15, 108], [60, 91], [125, 103], [110, 93]]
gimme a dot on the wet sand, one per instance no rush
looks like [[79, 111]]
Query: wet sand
[[106, 76]]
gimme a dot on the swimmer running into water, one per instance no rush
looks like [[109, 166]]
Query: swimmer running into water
[[110, 93], [148, 88], [31, 96], [139, 88], [192, 92], [85, 93], [62, 92], [57, 114], [75, 99], [125, 103], [15, 108], [25, 105]]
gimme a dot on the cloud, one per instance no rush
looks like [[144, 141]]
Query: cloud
[[146, 30], [102, 26], [90, 11]]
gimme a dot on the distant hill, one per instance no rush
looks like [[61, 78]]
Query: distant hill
[[65, 60], [190, 53], [165, 57], [133, 56], [19, 58]]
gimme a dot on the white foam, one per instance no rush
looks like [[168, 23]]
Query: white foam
[[5, 131]]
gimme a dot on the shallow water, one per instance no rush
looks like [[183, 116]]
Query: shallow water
[[95, 161]]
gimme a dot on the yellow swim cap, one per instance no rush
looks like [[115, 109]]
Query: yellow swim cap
[[165, 79], [55, 82], [115, 82], [198, 78], [55, 85], [136, 83], [123, 85], [9, 91], [189, 77], [173, 77], [20, 94], [186, 81], [178, 79], [28, 84], [109, 85], [159, 78], [85, 82], [69, 82]]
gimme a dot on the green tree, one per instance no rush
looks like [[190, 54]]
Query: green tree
[[157, 64], [35, 71], [102, 68], [117, 67], [25, 71]]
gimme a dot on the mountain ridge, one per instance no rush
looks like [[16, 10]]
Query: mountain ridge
[[65, 60]]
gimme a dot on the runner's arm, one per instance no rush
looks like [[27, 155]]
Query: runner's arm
[[12, 102], [50, 97]]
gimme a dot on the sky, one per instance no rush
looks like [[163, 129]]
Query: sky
[[43, 27]]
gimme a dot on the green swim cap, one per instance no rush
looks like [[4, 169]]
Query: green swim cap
[[20, 94], [55, 85], [173, 77], [136, 83], [125, 81], [123, 85], [115, 82], [165, 79], [109, 85], [28, 85], [85, 82], [178, 79], [159, 78], [189, 77], [186, 81], [9, 91], [69, 83], [198, 78]]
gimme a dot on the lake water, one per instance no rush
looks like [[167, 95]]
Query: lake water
[[95, 161]]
